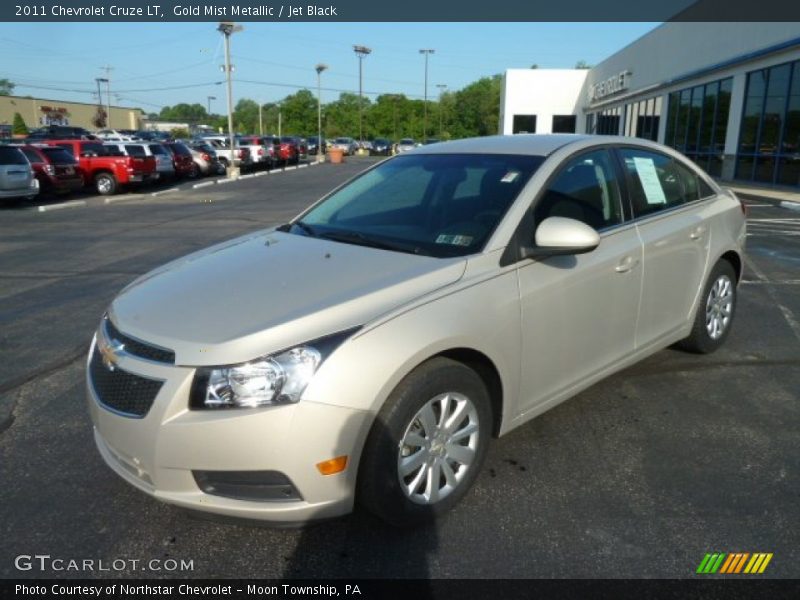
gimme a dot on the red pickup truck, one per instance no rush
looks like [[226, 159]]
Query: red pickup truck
[[105, 171]]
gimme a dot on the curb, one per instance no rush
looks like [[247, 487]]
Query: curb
[[124, 198], [204, 184], [162, 192], [790, 204], [70, 204]]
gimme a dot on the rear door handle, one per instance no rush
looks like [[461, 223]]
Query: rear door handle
[[697, 233], [626, 264]]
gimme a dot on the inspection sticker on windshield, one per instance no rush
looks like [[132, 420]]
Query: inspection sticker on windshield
[[510, 177], [454, 240]]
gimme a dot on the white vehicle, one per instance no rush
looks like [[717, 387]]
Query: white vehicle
[[241, 155], [112, 135], [369, 349]]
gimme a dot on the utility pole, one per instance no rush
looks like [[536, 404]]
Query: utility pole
[[426, 52], [227, 28], [100, 97], [260, 120], [107, 79], [279, 119], [361, 52], [319, 68], [442, 87]]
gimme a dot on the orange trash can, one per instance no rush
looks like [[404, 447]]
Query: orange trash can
[[336, 156]]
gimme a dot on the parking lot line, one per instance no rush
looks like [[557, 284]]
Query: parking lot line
[[260, 173], [123, 198], [221, 181], [791, 320], [70, 204], [289, 168]]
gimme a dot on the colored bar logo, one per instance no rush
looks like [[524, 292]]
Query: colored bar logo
[[734, 563]]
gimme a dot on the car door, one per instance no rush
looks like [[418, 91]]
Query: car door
[[664, 197], [579, 312]]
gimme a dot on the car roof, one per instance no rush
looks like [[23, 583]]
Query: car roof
[[531, 144]]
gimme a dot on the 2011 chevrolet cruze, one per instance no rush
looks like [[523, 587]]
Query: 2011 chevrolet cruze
[[370, 348]]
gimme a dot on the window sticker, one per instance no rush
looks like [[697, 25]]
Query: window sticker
[[646, 170], [510, 177], [454, 240]]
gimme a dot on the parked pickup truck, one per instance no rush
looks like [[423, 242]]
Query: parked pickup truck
[[241, 157], [105, 171]]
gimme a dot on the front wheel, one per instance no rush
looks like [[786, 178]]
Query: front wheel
[[427, 444], [714, 318], [105, 183]]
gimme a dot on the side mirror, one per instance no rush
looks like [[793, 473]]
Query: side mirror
[[562, 236]]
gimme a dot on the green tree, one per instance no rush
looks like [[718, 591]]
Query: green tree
[[188, 113], [19, 127], [342, 116], [180, 133], [6, 87], [475, 110], [582, 64], [245, 116], [299, 113]]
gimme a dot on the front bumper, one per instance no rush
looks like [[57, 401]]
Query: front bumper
[[162, 452]]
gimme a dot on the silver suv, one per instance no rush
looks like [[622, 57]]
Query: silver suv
[[369, 349], [16, 175]]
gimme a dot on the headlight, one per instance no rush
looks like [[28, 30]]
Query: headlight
[[276, 379]]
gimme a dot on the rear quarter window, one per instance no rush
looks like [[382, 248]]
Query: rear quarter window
[[658, 182]]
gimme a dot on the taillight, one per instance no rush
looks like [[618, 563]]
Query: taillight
[[50, 169], [261, 152], [206, 157]]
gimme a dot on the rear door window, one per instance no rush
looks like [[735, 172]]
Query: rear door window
[[135, 150], [657, 182]]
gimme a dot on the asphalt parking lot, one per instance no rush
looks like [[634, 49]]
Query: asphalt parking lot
[[639, 476]]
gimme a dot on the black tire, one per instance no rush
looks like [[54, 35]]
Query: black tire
[[700, 340], [194, 172], [105, 184], [379, 487]]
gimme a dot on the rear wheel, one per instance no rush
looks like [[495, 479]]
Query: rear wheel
[[194, 171], [714, 317], [427, 444], [105, 183]]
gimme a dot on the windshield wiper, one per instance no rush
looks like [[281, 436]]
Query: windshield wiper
[[305, 227], [359, 239]]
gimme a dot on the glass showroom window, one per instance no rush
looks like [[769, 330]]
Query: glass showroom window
[[770, 135], [608, 121], [697, 122]]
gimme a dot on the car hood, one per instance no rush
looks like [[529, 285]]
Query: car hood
[[269, 291]]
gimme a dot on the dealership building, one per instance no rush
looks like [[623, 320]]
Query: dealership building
[[727, 95], [39, 112]]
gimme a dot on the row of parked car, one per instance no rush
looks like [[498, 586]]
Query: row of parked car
[[60, 165]]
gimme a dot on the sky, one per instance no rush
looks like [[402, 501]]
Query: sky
[[158, 64]]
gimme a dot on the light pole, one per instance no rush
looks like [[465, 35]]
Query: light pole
[[426, 52], [228, 28], [260, 120], [442, 87], [209, 99], [361, 52], [319, 68], [279, 119]]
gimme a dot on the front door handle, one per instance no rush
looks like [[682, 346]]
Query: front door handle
[[626, 264], [697, 233]]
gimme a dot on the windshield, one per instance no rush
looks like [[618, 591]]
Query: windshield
[[436, 204]]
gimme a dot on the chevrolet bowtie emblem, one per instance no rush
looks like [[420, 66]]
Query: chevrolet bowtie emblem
[[109, 351]]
